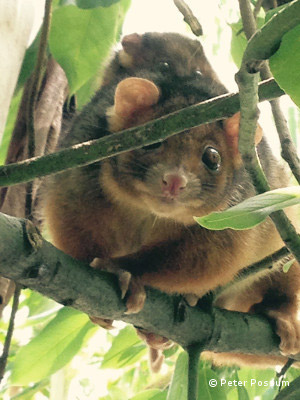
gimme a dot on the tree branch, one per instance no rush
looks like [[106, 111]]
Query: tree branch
[[33, 262], [189, 17], [248, 89], [117, 143], [289, 152]]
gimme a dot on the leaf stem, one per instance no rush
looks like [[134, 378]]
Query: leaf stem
[[4, 356], [194, 352]]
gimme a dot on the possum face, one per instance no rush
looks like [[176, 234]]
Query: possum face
[[188, 174]]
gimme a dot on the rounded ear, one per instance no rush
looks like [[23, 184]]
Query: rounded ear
[[232, 128], [133, 95], [132, 43]]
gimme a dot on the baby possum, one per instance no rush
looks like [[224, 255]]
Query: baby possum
[[137, 208]]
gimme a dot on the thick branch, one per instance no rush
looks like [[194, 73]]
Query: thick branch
[[117, 143], [31, 261]]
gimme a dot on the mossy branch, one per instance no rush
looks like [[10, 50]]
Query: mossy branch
[[31, 261], [117, 143]]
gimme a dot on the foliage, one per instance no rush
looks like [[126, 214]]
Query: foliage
[[253, 211]]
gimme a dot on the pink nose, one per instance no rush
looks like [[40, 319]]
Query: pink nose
[[173, 184]]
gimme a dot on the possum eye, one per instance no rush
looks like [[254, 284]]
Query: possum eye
[[164, 66], [152, 146], [198, 73], [212, 159]]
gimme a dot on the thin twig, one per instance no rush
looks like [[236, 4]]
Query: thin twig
[[133, 138], [286, 366], [189, 17], [34, 90], [257, 8], [194, 352], [4, 356]]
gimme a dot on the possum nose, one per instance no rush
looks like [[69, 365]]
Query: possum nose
[[173, 184]]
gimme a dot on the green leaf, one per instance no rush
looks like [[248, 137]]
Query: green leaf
[[274, 11], [53, 348], [239, 41], [95, 3], [10, 123], [206, 391], [126, 349], [179, 384], [253, 211], [38, 304], [285, 63], [153, 394], [292, 122], [80, 40], [28, 393], [256, 381], [29, 61], [288, 265], [241, 390]]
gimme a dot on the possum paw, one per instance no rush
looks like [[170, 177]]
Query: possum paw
[[288, 329], [156, 345], [153, 340], [134, 291], [131, 287]]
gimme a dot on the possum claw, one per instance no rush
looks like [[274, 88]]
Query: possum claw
[[136, 295], [103, 322]]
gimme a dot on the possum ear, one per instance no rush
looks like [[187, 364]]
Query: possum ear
[[131, 54], [132, 43], [232, 127], [134, 95]]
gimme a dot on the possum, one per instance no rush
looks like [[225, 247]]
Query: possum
[[136, 209]]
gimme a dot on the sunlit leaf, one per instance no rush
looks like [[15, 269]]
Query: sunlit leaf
[[179, 383], [256, 381], [38, 304], [239, 41], [29, 61], [12, 115], [153, 394], [81, 40], [126, 349], [252, 211], [95, 3], [288, 265], [285, 63], [292, 122], [206, 390], [53, 348]]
